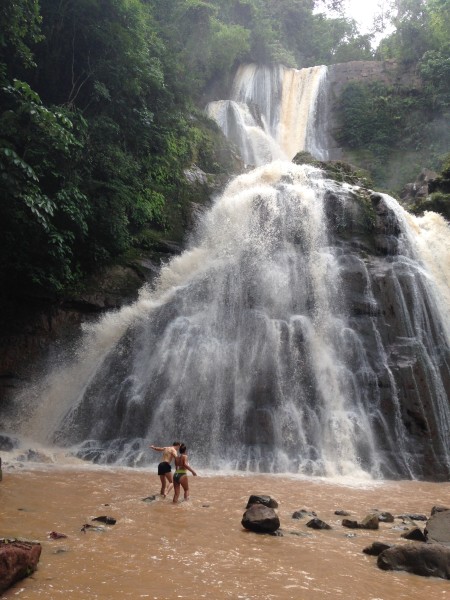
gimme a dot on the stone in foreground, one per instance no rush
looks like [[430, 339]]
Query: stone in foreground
[[260, 519], [18, 559], [437, 528], [428, 560]]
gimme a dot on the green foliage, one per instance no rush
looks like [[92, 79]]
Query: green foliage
[[19, 28], [40, 199], [435, 71], [379, 123], [439, 188], [372, 116], [98, 117]]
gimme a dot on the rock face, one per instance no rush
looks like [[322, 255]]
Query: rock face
[[419, 189], [260, 519], [35, 328], [438, 528], [389, 72], [429, 560], [18, 559], [370, 242]]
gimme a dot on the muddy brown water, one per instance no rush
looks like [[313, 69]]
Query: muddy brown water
[[198, 549]]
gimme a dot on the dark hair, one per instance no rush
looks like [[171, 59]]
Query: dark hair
[[182, 449], [176, 444]]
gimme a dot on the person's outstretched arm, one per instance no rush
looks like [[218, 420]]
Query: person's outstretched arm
[[157, 448]]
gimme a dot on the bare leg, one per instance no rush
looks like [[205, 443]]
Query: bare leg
[[176, 488], [185, 483], [170, 480], [163, 485]]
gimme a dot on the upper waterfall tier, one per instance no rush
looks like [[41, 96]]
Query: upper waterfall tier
[[275, 112]]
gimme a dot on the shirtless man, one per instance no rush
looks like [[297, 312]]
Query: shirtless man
[[164, 467]]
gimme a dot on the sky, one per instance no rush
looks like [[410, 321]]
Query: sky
[[362, 11]]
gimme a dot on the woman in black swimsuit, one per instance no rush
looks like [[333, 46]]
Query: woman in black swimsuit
[[180, 477]]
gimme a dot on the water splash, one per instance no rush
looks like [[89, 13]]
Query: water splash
[[305, 329]]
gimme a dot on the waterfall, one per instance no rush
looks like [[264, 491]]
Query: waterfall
[[304, 329], [277, 107]]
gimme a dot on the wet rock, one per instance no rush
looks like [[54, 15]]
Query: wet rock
[[437, 509], [301, 514], [260, 519], [413, 517], [149, 499], [342, 513], [105, 519], [8, 443], [414, 534], [262, 499], [376, 548], [318, 524], [418, 190], [18, 559], [437, 528], [428, 560], [350, 524], [55, 535], [370, 522], [88, 527], [385, 517], [33, 456]]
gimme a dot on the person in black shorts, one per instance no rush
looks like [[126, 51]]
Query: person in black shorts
[[169, 453]]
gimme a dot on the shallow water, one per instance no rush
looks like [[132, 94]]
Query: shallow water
[[198, 549]]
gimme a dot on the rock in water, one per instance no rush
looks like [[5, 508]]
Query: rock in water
[[437, 528], [376, 548], [317, 524], [261, 519], [105, 519], [262, 499], [18, 559], [429, 560]]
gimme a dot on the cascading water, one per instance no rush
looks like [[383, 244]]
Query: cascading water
[[303, 330], [273, 113]]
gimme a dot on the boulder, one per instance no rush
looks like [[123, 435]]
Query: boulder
[[342, 513], [300, 514], [437, 528], [415, 534], [429, 560], [262, 499], [437, 509], [318, 524], [376, 548], [18, 559], [370, 522], [105, 519], [260, 519], [413, 517], [385, 517], [350, 524]]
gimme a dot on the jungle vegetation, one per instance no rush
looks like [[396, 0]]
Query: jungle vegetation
[[101, 111]]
